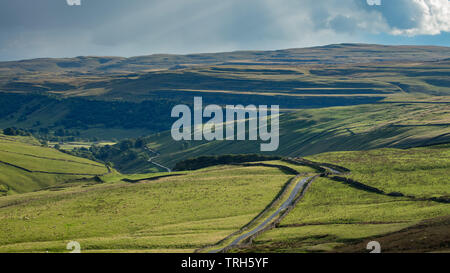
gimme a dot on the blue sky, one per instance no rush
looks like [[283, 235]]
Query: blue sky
[[52, 28]]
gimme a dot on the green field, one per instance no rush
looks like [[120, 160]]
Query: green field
[[194, 209], [382, 112], [333, 214], [421, 172], [171, 214], [27, 166]]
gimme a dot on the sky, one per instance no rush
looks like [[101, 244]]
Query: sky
[[53, 28]]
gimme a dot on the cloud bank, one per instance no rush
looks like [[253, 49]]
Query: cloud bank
[[50, 28], [415, 17], [432, 17]]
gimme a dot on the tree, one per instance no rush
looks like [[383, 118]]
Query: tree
[[60, 132], [126, 144], [140, 143], [10, 132]]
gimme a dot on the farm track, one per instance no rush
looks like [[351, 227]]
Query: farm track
[[295, 196], [300, 187]]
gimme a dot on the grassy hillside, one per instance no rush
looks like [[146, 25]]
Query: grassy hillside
[[302, 132], [335, 216], [195, 209], [421, 172], [313, 131], [27, 166], [375, 110], [331, 54], [108, 98], [179, 213]]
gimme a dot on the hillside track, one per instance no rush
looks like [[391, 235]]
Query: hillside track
[[294, 196], [156, 163]]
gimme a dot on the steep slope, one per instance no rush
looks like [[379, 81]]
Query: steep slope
[[313, 131]]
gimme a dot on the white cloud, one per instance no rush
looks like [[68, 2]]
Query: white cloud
[[433, 19]]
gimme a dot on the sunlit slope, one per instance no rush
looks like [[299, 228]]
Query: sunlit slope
[[178, 213], [422, 172], [334, 214], [115, 98], [313, 131], [27, 166]]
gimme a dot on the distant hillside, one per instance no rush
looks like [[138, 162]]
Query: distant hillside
[[307, 132], [350, 72], [115, 98], [137, 100], [330, 54]]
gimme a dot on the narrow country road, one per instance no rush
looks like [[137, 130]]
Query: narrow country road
[[298, 187], [333, 171], [289, 202], [155, 163]]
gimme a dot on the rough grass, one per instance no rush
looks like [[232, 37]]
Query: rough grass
[[317, 238], [421, 172], [298, 168], [177, 213], [331, 202], [332, 214], [33, 167]]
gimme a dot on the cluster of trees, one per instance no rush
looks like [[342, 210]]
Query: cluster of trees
[[44, 133], [59, 135], [206, 161], [82, 114], [120, 155], [12, 131], [62, 132], [153, 115]]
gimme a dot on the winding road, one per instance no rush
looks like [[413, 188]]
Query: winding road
[[286, 204], [155, 163], [289, 202]]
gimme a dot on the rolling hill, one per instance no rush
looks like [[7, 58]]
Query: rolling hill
[[313, 131], [83, 94], [27, 166], [191, 210], [171, 214], [331, 54], [363, 153], [401, 195]]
